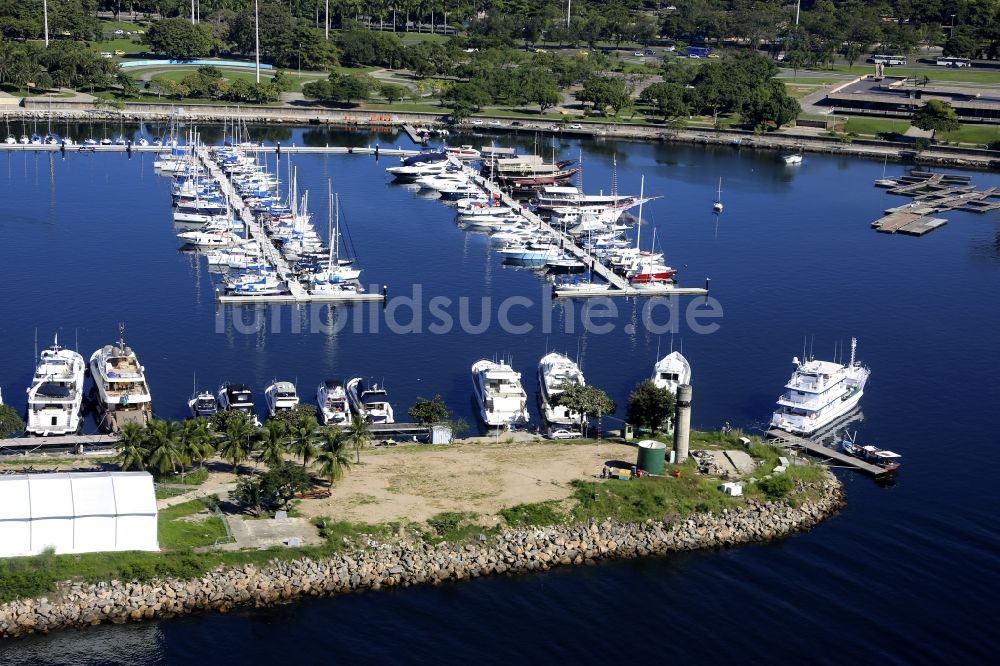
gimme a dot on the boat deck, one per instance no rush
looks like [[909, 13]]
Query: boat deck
[[785, 438]]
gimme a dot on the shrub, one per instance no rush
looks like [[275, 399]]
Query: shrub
[[777, 486]]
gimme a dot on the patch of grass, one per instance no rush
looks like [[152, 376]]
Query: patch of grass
[[414, 37], [129, 46], [539, 514], [453, 527], [164, 493], [177, 534], [975, 134], [967, 75], [336, 531]]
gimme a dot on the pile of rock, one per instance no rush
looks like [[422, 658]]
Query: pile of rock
[[404, 564]]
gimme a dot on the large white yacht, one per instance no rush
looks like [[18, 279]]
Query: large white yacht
[[120, 381], [280, 397], [502, 400], [556, 373], [369, 400], [56, 393], [671, 371], [819, 393], [333, 406]]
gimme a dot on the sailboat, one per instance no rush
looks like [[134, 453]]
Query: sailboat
[[717, 206], [338, 273]]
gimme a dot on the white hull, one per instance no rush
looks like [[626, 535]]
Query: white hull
[[122, 396], [502, 400], [554, 372], [671, 371], [808, 426], [56, 394]]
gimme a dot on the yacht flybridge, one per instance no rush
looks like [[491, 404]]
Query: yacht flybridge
[[502, 400], [56, 393], [819, 393], [120, 384]]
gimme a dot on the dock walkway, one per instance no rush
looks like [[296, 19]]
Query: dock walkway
[[933, 193], [786, 438], [24, 444]]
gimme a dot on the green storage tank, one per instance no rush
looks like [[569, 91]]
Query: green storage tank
[[651, 456]]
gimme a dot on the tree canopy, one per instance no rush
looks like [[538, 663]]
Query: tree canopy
[[179, 39], [936, 116], [650, 406]]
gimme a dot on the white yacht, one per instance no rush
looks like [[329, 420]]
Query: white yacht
[[280, 397], [333, 406], [120, 382], [369, 400], [671, 371], [502, 400], [56, 393], [203, 404], [556, 373], [238, 397], [820, 392]]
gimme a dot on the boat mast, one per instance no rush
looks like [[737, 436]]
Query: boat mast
[[854, 347], [638, 222]]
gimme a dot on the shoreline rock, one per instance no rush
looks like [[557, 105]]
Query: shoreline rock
[[514, 551]]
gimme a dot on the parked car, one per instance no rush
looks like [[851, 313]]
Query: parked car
[[638, 54], [477, 122], [563, 433], [576, 126], [517, 123]]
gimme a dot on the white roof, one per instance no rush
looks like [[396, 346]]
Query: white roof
[[76, 494]]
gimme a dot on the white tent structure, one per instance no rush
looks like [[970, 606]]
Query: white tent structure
[[79, 512]]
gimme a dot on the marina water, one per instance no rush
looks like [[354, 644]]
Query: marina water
[[905, 574]]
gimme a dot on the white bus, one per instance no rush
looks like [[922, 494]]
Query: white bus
[[889, 60], [944, 61]]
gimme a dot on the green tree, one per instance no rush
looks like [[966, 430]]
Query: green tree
[[427, 412], [393, 92], [667, 98], [936, 116], [178, 39], [271, 450], [249, 493], [195, 442], [304, 440], [131, 447], [236, 445], [280, 483], [650, 406], [605, 93], [10, 421], [333, 459], [360, 435], [586, 401], [163, 451]]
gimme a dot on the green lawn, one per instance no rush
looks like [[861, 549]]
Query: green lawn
[[970, 75], [180, 534], [970, 134], [112, 45], [414, 37]]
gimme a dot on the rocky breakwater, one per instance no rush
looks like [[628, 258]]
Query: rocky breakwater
[[406, 563]]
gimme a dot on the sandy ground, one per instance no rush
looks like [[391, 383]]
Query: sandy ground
[[413, 483]]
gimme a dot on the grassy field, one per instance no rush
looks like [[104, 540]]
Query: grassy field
[[968, 75], [414, 37], [177, 534], [970, 134], [121, 44]]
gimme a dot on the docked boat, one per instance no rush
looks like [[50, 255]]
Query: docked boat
[[424, 164], [280, 397], [792, 158], [369, 400], [671, 371], [122, 394], [887, 460], [203, 404], [334, 408], [238, 397], [717, 204], [502, 400], [556, 373], [56, 394], [819, 393], [464, 152]]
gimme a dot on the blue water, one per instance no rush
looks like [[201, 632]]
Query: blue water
[[904, 574]]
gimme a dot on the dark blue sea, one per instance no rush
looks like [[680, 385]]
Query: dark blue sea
[[906, 574]]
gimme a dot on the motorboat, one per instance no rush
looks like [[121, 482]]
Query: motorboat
[[239, 398], [334, 408], [887, 460], [203, 405], [556, 373], [369, 400], [502, 400], [819, 393], [671, 371], [122, 394], [55, 397], [792, 158], [463, 152], [280, 396]]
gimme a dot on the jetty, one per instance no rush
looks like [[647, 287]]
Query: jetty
[[376, 150], [788, 440], [619, 286], [76, 442], [932, 193]]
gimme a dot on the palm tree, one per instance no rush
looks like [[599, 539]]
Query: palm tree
[[272, 443], [236, 446], [360, 435], [304, 440], [132, 447], [196, 442], [163, 445], [333, 459]]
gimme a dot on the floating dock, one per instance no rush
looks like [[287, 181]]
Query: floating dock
[[619, 286], [931, 193], [27, 444], [787, 439]]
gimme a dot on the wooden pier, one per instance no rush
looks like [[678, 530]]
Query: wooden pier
[[932, 193], [619, 285], [414, 135], [296, 292], [787, 439], [26, 444]]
